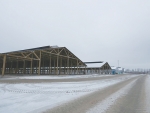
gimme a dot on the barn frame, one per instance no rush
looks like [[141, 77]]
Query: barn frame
[[50, 60]]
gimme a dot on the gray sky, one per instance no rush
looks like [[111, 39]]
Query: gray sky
[[94, 30]]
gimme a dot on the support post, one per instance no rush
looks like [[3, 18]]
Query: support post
[[68, 68], [65, 66], [39, 71], [43, 68], [60, 68], [17, 67], [11, 68], [31, 67], [71, 67], [4, 64], [77, 66], [57, 64], [54, 67], [50, 67], [24, 70]]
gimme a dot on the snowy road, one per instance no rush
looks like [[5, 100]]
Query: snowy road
[[80, 94]]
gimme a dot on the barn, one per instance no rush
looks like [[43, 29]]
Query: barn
[[102, 67], [47, 60], [51, 60]]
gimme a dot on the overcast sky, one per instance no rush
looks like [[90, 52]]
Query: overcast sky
[[94, 30]]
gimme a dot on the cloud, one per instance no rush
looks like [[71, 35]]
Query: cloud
[[93, 30]]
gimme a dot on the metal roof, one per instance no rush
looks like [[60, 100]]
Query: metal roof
[[40, 48], [32, 49], [93, 62], [96, 65]]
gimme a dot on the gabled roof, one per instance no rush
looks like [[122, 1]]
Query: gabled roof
[[98, 65], [33, 53], [31, 49], [113, 67]]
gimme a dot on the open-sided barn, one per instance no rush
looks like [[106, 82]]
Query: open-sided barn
[[101, 68], [42, 60], [47, 60]]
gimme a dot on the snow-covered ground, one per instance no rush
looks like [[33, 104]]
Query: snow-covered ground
[[54, 76], [38, 97]]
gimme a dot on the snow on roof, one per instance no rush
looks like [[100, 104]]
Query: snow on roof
[[96, 64], [117, 68], [55, 46], [113, 67]]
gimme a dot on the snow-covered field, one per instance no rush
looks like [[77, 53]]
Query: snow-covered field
[[55, 77], [38, 97]]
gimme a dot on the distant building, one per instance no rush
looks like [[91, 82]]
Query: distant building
[[117, 70], [114, 70], [100, 68], [120, 70]]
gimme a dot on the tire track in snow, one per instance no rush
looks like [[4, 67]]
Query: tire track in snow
[[64, 88], [12, 88], [55, 88]]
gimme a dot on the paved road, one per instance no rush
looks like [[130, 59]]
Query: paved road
[[124, 97], [134, 101]]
